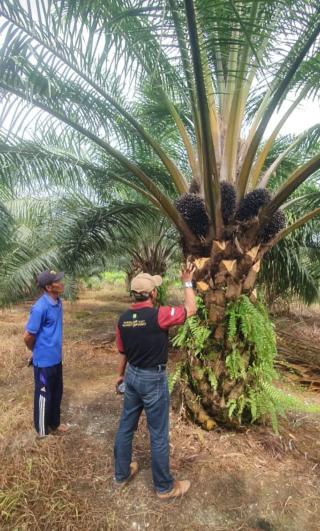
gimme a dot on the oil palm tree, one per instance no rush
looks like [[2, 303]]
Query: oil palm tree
[[114, 73], [151, 248], [72, 232], [61, 217]]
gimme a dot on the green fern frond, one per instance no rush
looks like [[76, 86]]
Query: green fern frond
[[212, 378], [250, 327], [288, 402], [250, 323], [235, 364], [195, 333], [174, 377]]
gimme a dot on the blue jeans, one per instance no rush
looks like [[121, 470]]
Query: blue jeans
[[145, 389]]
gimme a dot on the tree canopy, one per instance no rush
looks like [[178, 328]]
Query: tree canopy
[[152, 98]]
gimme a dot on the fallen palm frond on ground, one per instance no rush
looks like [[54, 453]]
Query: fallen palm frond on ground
[[300, 357]]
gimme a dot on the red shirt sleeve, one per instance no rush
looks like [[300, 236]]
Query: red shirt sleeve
[[119, 343], [171, 316]]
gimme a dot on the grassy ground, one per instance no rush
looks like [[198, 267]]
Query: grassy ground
[[247, 481]]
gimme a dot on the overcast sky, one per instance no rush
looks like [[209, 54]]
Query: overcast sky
[[306, 115]]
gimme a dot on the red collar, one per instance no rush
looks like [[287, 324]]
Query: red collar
[[144, 304]]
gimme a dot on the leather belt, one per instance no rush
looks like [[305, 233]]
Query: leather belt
[[158, 368]]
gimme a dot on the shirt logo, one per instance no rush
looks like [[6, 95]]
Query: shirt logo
[[134, 324], [43, 389]]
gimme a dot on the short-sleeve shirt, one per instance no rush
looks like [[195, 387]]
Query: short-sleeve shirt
[[45, 322], [142, 332]]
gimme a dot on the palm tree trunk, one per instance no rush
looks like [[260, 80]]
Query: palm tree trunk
[[229, 273]]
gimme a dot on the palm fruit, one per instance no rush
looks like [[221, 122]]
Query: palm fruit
[[250, 205], [192, 209], [276, 223], [228, 201]]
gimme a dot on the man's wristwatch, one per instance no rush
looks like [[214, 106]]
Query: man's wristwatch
[[188, 284]]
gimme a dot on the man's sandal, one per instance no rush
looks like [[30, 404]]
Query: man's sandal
[[179, 489], [134, 469]]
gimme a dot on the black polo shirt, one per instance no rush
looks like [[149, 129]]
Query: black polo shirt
[[142, 332]]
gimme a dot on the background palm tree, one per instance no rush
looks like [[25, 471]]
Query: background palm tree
[[72, 224], [109, 75], [73, 231]]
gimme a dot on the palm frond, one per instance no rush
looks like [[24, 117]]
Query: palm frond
[[86, 228], [291, 268]]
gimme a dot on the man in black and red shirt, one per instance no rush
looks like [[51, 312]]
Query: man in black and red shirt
[[142, 340]]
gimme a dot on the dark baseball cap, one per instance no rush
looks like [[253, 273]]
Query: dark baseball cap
[[48, 277]]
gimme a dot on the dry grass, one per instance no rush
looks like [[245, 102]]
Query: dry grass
[[12, 351], [240, 481], [51, 484]]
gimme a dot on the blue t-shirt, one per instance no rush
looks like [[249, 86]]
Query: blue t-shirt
[[45, 322]]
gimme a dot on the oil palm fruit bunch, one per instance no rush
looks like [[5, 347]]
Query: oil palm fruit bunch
[[276, 223], [192, 209], [228, 202], [249, 208], [251, 203]]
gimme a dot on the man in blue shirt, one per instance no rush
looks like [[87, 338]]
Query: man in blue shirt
[[43, 335]]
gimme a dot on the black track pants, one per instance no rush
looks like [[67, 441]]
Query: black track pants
[[47, 398]]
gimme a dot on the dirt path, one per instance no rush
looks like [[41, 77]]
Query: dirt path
[[252, 480]]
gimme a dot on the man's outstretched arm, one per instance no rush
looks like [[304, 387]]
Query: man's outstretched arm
[[189, 294], [176, 315]]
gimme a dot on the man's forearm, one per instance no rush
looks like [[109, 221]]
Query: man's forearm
[[29, 340], [122, 365], [189, 294], [190, 301]]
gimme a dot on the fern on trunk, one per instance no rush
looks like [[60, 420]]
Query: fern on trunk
[[232, 381]]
